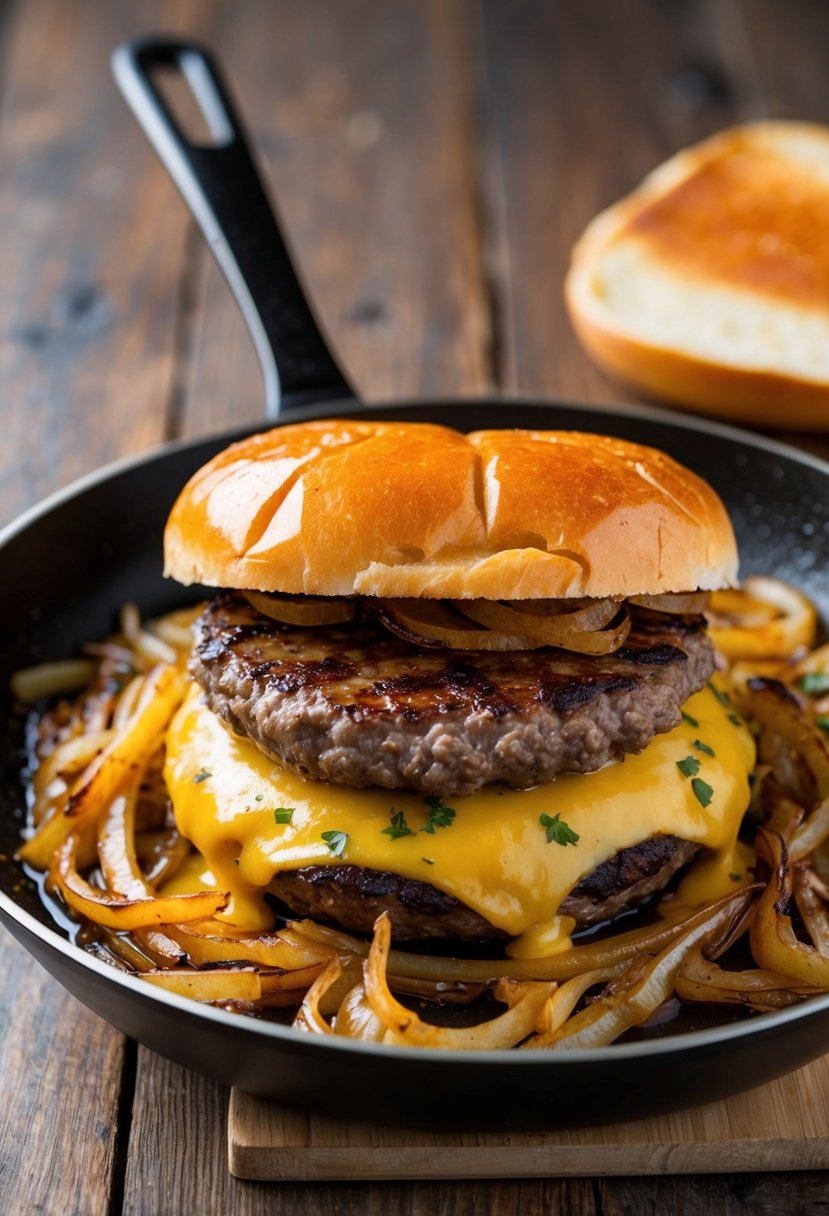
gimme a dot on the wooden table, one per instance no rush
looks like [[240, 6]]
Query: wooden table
[[434, 163]]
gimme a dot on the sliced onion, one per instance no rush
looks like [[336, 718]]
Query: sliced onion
[[764, 618], [309, 1017], [582, 631], [435, 622], [302, 609], [116, 912], [676, 603], [356, 1019], [812, 907], [641, 989], [777, 709], [700, 979], [29, 684], [773, 941], [404, 1027]]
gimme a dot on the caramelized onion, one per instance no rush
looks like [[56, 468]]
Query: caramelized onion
[[677, 603], [302, 609], [765, 617], [583, 630], [435, 622]]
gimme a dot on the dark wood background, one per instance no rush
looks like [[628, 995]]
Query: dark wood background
[[434, 162]]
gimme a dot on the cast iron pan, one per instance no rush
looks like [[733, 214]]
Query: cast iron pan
[[67, 566]]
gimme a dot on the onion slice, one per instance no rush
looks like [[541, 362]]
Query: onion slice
[[675, 603], [435, 622], [773, 941], [588, 630], [302, 609], [764, 618], [404, 1027]]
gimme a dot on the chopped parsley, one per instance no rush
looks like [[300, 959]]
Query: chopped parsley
[[430, 861], [558, 832], [259, 798], [735, 719], [735, 877], [399, 827], [822, 722], [336, 842], [689, 767], [283, 814], [703, 747], [721, 696], [814, 682], [202, 775], [442, 816], [702, 791], [691, 721]]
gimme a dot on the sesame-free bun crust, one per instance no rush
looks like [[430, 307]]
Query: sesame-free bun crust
[[708, 286], [409, 509]]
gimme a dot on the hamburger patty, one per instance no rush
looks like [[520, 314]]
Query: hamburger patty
[[354, 897], [354, 705]]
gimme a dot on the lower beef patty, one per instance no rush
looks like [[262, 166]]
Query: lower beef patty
[[354, 705], [354, 897]]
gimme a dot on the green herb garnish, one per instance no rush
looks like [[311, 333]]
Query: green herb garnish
[[721, 696], [702, 791], [691, 721], [822, 722], [442, 816], [558, 832], [703, 747], [430, 861], [259, 798], [399, 827], [689, 767], [814, 681], [735, 877], [735, 719], [202, 775], [283, 814], [336, 842]]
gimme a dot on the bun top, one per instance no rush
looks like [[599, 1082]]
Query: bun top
[[409, 509]]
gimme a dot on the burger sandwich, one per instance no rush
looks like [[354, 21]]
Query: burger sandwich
[[463, 679]]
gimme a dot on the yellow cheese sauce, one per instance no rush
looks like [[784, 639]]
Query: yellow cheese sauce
[[494, 856]]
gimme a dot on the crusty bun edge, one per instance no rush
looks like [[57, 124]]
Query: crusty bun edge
[[741, 394], [345, 507]]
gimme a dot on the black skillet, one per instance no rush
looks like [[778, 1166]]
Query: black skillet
[[66, 566]]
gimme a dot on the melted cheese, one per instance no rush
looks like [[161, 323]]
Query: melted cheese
[[494, 857]]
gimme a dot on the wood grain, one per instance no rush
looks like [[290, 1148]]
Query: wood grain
[[60, 1084], [92, 252], [370, 158], [783, 1126], [582, 101]]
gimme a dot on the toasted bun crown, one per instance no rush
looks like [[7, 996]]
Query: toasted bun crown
[[408, 509], [709, 284]]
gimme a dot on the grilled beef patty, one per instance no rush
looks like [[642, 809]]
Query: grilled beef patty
[[356, 706], [354, 897]]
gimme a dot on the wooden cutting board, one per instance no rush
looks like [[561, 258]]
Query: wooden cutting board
[[782, 1126]]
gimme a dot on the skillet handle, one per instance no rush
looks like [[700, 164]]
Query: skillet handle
[[225, 194]]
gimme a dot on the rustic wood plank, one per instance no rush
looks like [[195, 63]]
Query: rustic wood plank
[[178, 1165], [583, 100], [93, 253], [366, 124], [88, 298], [783, 1126], [60, 1081]]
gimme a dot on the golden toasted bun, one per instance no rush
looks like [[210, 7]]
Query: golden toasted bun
[[709, 285], [406, 509]]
